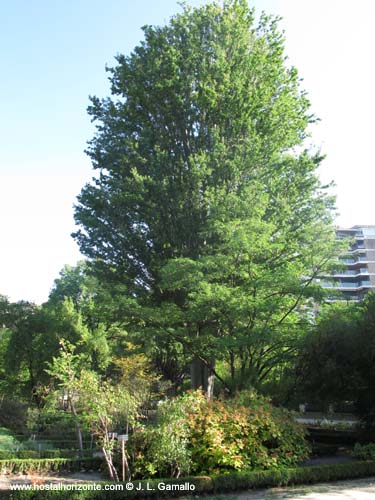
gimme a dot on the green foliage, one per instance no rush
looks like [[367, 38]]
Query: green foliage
[[227, 435], [207, 210], [193, 435], [336, 364], [77, 312], [156, 453], [46, 465], [91, 302], [74, 284], [327, 364], [13, 414], [22, 349], [31, 454], [364, 452], [95, 404], [165, 449], [134, 374], [34, 340], [188, 108], [19, 447], [7, 440]]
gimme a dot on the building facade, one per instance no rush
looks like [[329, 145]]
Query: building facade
[[357, 276]]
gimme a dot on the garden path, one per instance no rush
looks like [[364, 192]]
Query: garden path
[[359, 489]]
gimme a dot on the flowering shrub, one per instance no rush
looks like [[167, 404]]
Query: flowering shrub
[[196, 436]]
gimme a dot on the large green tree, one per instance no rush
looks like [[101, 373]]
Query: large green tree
[[202, 170]]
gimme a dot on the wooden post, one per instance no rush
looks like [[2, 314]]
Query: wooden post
[[123, 459], [125, 466]]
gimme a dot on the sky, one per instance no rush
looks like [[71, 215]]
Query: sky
[[53, 56]]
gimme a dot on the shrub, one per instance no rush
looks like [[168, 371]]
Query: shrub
[[26, 466], [197, 436], [45, 465], [246, 433], [27, 454], [6, 454], [364, 452], [7, 440], [162, 450], [61, 453], [13, 415]]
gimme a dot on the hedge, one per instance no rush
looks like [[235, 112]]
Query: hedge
[[59, 453], [45, 465], [210, 484]]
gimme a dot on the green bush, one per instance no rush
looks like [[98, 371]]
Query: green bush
[[60, 453], [6, 454], [154, 452], [364, 452], [27, 454], [21, 453], [196, 436], [25, 466], [7, 441], [45, 465], [13, 415], [54, 454], [60, 443]]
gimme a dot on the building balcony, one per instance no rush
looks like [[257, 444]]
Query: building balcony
[[350, 261], [347, 286], [348, 298], [363, 271], [357, 249]]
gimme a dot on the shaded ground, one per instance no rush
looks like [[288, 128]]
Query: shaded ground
[[360, 489]]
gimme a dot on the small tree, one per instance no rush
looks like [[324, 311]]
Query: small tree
[[95, 404], [65, 369], [104, 408]]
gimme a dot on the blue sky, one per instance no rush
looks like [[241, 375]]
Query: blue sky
[[53, 56]]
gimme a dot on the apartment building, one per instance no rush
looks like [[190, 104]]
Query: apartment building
[[357, 277]]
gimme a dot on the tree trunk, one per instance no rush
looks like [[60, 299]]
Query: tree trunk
[[202, 377], [78, 427], [125, 464], [79, 439], [111, 468]]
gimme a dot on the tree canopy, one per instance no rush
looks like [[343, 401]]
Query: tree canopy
[[207, 207]]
